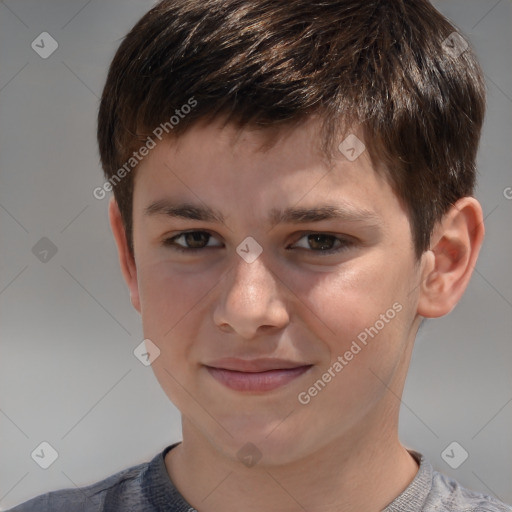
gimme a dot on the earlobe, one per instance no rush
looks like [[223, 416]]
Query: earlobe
[[126, 260], [448, 265]]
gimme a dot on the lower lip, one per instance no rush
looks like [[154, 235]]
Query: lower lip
[[256, 381]]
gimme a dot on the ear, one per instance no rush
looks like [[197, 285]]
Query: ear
[[126, 260], [448, 265]]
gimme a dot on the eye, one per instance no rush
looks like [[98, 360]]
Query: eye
[[193, 240], [324, 243]]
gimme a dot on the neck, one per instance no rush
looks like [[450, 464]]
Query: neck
[[363, 470]]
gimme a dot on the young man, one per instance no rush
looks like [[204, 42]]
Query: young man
[[292, 196]]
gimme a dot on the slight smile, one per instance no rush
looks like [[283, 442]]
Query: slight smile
[[248, 377]]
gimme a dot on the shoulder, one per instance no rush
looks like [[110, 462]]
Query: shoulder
[[90, 498], [447, 494], [432, 491]]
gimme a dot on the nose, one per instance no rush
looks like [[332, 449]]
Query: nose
[[251, 300]]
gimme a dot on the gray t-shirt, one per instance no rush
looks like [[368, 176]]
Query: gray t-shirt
[[147, 487]]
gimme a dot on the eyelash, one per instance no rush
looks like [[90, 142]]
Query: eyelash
[[344, 241]]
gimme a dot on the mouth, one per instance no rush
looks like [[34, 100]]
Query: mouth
[[256, 375]]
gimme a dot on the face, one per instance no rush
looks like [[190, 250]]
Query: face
[[276, 256]]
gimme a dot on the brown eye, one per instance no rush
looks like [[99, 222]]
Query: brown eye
[[190, 241], [321, 242], [196, 239], [324, 243]]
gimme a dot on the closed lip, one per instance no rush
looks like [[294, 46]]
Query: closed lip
[[255, 365]]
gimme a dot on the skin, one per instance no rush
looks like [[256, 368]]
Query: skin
[[341, 450]]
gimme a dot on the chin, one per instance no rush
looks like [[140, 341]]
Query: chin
[[272, 442]]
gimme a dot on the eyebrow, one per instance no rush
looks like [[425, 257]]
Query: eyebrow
[[290, 215]]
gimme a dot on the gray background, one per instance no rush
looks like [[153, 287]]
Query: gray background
[[67, 370]]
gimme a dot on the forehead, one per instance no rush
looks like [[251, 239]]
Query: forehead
[[257, 170], [251, 142], [216, 144]]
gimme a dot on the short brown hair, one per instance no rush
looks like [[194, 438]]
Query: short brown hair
[[382, 64]]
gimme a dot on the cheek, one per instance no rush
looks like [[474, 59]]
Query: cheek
[[169, 299], [364, 317], [365, 355], [351, 298], [167, 290], [170, 303]]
